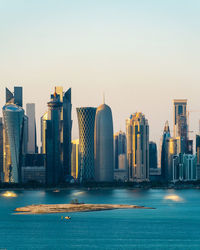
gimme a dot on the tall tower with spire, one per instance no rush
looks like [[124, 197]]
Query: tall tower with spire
[[103, 144], [163, 150]]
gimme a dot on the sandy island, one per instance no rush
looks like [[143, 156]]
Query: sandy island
[[72, 208]]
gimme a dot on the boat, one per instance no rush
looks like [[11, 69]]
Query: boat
[[67, 217]]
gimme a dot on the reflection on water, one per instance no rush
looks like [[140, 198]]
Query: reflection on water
[[78, 193], [173, 197], [9, 194]]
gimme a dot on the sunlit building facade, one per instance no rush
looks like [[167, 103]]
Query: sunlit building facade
[[75, 160], [32, 137], [103, 144], [1, 149], [13, 116], [180, 120], [138, 147], [86, 122]]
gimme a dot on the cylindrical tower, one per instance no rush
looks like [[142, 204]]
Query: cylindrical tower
[[13, 124], [103, 142], [86, 121]]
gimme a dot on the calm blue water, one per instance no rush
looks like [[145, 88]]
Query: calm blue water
[[174, 224]]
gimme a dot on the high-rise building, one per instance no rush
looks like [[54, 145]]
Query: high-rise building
[[86, 122], [54, 168], [13, 139], [152, 155], [1, 149], [163, 150], [198, 155], [75, 160], [103, 144], [171, 150], [43, 120], [180, 118], [184, 168], [138, 150], [119, 147], [66, 129], [32, 137]]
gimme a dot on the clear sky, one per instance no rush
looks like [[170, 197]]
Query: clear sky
[[141, 53]]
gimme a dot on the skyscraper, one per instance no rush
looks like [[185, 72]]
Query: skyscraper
[[54, 168], [86, 122], [43, 121], [163, 150], [119, 147], [180, 118], [13, 138], [103, 144], [152, 155], [32, 138], [138, 152], [65, 130], [1, 149]]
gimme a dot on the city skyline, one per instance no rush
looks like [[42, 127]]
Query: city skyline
[[142, 54]]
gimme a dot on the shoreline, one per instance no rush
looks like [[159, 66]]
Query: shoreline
[[99, 188], [72, 208]]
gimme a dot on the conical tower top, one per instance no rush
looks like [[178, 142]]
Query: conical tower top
[[166, 128]]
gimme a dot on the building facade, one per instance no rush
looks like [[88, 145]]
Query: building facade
[[163, 151], [65, 130], [138, 147], [32, 137], [13, 116], [33, 168], [153, 162], [54, 167], [103, 144], [86, 122], [181, 121], [1, 149], [184, 168], [75, 160], [119, 147]]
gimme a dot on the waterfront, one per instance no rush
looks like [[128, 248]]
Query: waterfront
[[174, 224]]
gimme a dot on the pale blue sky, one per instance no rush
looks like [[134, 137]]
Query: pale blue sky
[[142, 54]]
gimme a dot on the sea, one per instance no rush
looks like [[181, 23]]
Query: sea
[[173, 224]]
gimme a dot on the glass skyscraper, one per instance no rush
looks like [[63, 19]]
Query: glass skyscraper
[[54, 168], [13, 138], [86, 121]]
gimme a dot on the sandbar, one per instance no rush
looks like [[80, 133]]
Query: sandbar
[[72, 208]]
